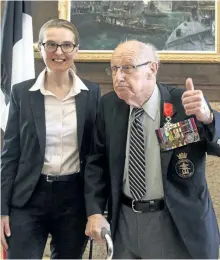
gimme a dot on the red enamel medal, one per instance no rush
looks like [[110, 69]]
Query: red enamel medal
[[168, 112]]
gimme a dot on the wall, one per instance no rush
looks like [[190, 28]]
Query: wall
[[205, 76]]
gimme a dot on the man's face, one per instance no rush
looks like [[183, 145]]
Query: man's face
[[130, 81]]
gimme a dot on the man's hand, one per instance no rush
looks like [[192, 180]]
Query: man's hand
[[5, 230], [194, 103], [94, 226]]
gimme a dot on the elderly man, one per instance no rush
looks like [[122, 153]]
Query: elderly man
[[148, 163]]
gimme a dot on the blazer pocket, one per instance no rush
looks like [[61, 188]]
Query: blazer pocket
[[22, 166], [21, 162]]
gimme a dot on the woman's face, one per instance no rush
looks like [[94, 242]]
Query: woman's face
[[58, 60]]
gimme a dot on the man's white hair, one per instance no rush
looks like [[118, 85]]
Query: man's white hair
[[154, 52], [143, 47]]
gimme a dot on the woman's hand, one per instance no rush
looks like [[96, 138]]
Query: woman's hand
[[5, 230]]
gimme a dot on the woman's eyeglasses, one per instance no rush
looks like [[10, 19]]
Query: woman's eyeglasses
[[66, 47]]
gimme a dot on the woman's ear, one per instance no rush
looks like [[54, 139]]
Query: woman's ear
[[77, 48], [39, 48]]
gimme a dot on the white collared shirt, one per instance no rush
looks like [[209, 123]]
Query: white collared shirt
[[151, 122], [61, 151]]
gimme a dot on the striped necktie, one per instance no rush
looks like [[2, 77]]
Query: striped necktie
[[136, 166]]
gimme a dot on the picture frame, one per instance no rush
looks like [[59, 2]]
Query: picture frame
[[207, 35]]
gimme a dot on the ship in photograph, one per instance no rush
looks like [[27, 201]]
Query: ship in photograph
[[169, 25], [157, 8], [197, 32], [119, 20]]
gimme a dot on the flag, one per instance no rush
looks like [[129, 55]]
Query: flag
[[17, 54]]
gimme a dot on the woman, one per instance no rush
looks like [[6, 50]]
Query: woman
[[47, 139]]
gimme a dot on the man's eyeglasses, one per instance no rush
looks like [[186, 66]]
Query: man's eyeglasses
[[66, 47], [127, 69]]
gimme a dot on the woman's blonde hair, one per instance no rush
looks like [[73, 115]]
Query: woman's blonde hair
[[59, 23]]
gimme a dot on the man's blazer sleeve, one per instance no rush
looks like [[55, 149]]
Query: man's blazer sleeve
[[95, 174], [212, 132], [11, 152]]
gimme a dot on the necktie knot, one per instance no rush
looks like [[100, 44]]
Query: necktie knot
[[138, 112]]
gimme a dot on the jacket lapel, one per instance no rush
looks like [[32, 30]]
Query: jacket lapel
[[165, 97], [119, 136], [80, 114], [38, 110]]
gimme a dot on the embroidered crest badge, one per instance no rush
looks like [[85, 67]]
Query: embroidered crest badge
[[184, 167]]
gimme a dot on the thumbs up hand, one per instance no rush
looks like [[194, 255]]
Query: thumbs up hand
[[194, 103]]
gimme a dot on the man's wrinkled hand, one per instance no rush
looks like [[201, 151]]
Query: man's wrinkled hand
[[5, 230], [94, 226], [194, 103]]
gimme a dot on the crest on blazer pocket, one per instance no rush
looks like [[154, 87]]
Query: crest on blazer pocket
[[184, 167]]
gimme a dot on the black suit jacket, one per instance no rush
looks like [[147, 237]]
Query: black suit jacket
[[187, 199], [25, 136]]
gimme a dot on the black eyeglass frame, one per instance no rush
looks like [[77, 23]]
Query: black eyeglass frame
[[110, 71], [59, 45]]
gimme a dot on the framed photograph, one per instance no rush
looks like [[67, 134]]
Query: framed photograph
[[182, 31]]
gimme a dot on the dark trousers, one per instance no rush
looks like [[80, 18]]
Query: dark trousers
[[151, 235], [56, 208]]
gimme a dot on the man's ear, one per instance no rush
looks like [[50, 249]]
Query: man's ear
[[154, 67]]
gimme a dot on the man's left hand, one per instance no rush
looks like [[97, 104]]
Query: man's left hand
[[194, 103]]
